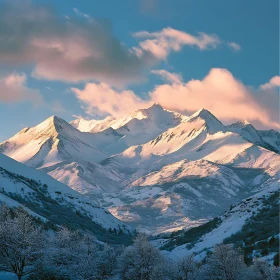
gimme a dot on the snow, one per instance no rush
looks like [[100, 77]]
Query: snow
[[51, 142], [153, 164], [10, 183], [232, 222]]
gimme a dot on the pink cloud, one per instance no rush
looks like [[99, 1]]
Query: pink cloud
[[82, 48], [13, 88], [161, 43], [219, 92], [273, 83], [170, 77], [223, 95], [101, 99]]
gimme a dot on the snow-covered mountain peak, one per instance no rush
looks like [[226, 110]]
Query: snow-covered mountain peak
[[240, 124], [212, 124], [92, 125]]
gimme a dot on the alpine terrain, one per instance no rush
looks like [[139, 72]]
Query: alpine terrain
[[157, 170]]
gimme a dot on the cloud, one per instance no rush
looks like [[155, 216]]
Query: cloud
[[273, 83], [223, 95], [82, 48], [79, 13], [234, 46], [74, 49], [101, 99], [161, 43], [169, 77], [219, 92], [13, 89]]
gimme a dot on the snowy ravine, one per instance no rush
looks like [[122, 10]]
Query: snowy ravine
[[155, 169]]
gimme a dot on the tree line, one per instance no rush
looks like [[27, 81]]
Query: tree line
[[30, 252]]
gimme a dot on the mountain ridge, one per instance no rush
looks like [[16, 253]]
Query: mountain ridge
[[110, 162]]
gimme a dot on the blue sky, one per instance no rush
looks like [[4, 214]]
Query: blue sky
[[253, 25]]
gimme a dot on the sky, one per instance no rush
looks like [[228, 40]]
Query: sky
[[92, 59]]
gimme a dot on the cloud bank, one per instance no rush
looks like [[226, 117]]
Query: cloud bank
[[101, 99], [219, 92], [81, 48]]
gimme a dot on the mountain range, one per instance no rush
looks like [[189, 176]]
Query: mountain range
[[154, 169]]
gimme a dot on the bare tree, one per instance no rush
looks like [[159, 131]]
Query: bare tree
[[107, 262], [225, 263], [71, 254], [139, 261], [21, 241], [188, 268], [261, 270]]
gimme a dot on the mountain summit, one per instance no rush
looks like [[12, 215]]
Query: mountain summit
[[154, 168]]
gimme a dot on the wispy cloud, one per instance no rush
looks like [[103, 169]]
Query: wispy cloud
[[161, 43], [170, 77], [13, 88], [79, 13], [234, 46]]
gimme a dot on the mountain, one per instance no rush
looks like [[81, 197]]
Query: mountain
[[51, 142], [252, 225], [155, 169], [67, 154], [201, 136], [266, 139], [53, 202], [138, 127], [92, 125]]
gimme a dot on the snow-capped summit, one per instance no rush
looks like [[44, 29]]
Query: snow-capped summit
[[152, 150], [92, 125], [212, 123], [50, 142], [258, 137]]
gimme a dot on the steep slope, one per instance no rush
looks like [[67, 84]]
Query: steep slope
[[87, 178], [51, 200], [67, 154], [266, 139], [189, 173], [51, 142], [200, 136], [271, 137], [247, 215]]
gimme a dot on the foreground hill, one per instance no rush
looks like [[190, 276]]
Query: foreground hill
[[253, 225], [55, 203]]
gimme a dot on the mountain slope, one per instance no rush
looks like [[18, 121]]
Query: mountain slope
[[67, 154], [138, 127], [267, 139], [227, 228], [48, 198], [51, 142], [154, 167], [201, 136]]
